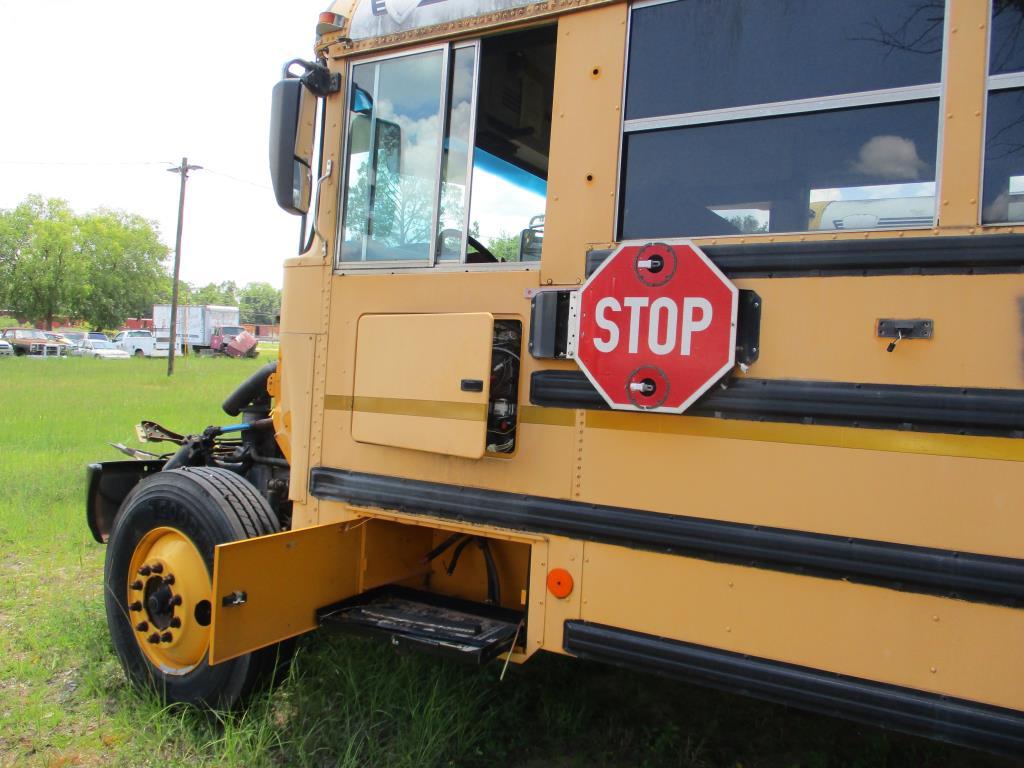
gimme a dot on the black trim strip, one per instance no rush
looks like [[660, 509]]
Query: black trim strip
[[982, 578], [968, 254], [958, 721], [998, 412]]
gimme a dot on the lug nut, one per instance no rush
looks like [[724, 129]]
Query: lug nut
[[136, 585], [175, 622], [156, 568], [136, 606], [154, 638], [169, 578], [145, 570], [176, 600], [141, 626], [166, 637]]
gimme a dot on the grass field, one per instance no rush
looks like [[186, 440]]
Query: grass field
[[346, 702]]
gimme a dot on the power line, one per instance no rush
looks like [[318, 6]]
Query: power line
[[85, 163], [238, 179]]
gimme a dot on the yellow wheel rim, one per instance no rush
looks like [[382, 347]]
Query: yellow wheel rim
[[169, 593]]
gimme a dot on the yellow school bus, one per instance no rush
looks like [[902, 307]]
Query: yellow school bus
[[836, 523]]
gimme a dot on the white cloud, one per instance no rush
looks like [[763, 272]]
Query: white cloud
[[892, 157]]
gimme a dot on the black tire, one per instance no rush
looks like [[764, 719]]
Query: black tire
[[139, 353], [209, 506]]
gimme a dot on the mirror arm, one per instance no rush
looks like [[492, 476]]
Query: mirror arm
[[317, 77], [316, 213]]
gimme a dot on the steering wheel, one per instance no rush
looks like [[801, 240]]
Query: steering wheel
[[481, 256]]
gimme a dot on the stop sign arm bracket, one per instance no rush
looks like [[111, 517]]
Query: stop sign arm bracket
[[553, 316]]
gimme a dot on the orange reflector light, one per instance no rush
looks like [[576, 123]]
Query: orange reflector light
[[328, 22], [560, 583]]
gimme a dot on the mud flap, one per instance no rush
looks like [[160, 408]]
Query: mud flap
[[269, 588]]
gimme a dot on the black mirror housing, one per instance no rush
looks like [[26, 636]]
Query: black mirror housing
[[292, 115]]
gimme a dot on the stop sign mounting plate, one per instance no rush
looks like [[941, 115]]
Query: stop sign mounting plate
[[654, 327]]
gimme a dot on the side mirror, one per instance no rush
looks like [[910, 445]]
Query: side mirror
[[292, 119]]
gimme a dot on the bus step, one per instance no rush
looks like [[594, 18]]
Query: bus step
[[428, 622]]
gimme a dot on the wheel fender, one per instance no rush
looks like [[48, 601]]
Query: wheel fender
[[108, 483]]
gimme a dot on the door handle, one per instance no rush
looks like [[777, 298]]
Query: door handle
[[472, 385]]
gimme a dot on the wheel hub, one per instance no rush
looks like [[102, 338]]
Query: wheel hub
[[169, 600]]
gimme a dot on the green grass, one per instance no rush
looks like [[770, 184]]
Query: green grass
[[345, 702]]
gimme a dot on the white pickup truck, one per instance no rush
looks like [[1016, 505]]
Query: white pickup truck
[[141, 344]]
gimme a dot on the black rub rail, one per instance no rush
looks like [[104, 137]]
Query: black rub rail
[[958, 721], [965, 411]]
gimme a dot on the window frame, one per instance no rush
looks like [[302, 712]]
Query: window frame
[[879, 97], [1005, 81], [431, 264]]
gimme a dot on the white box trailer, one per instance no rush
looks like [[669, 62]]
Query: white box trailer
[[196, 323]]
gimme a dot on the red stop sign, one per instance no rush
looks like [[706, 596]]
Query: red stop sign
[[656, 326]]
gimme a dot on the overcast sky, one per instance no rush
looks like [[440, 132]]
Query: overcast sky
[[100, 97]]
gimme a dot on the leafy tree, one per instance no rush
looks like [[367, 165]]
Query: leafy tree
[[43, 267], [101, 267], [260, 303], [125, 261], [504, 246], [225, 293]]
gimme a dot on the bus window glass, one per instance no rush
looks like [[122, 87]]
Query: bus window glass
[[773, 175], [513, 136], [393, 146], [1003, 193], [696, 55], [1007, 48]]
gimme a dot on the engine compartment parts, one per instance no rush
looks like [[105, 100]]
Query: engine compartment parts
[[503, 406]]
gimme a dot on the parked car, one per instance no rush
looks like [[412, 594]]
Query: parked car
[[5, 348], [73, 336], [66, 344], [141, 343], [29, 341], [105, 350], [97, 336]]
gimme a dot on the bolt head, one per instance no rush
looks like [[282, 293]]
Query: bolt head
[[175, 622], [142, 626], [145, 570], [156, 568], [154, 638], [136, 585], [136, 606], [169, 578], [176, 600], [166, 637]]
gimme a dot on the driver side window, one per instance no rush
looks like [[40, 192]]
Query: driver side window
[[447, 153]]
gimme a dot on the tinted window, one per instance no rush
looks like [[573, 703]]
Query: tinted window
[[1003, 192], [693, 55], [774, 175], [1007, 51]]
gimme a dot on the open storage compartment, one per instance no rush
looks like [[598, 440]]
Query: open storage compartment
[[454, 593]]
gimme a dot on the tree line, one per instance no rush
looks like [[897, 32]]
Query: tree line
[[100, 268]]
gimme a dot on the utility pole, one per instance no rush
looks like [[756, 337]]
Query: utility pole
[[183, 169]]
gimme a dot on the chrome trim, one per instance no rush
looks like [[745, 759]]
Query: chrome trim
[[316, 209], [791, 107], [1005, 80], [940, 131], [471, 149], [441, 268], [346, 139], [443, 125], [980, 197], [616, 215]]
